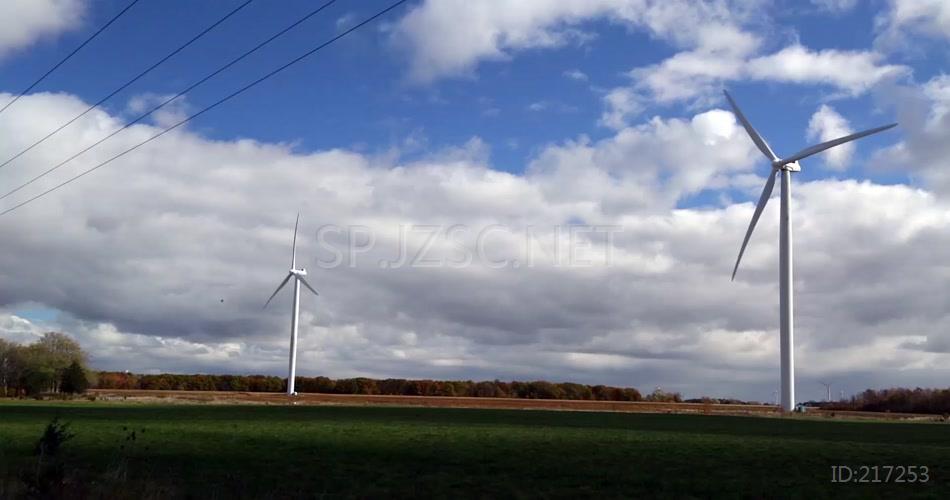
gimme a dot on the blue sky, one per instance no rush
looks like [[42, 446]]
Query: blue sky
[[358, 95], [500, 113]]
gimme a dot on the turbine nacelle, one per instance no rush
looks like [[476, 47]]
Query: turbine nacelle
[[792, 166], [296, 274]]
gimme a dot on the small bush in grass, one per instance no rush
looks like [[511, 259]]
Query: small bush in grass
[[47, 479], [55, 435]]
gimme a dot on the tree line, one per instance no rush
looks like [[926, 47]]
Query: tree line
[[539, 389], [898, 400], [55, 363]]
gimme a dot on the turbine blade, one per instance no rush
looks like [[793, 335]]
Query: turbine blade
[[293, 261], [281, 285], [836, 142], [756, 138], [763, 200], [307, 285]]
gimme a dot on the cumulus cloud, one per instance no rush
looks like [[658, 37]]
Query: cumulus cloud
[[162, 261], [853, 72], [905, 17], [924, 115], [621, 103], [651, 166], [725, 54], [175, 111], [17, 329], [721, 52], [23, 22], [720, 55], [724, 47], [826, 124], [439, 46]]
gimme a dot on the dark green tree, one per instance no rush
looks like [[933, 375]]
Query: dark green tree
[[74, 379], [37, 379], [11, 367]]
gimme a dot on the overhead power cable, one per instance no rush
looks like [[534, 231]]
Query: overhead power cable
[[68, 56], [128, 83], [172, 98], [209, 108]]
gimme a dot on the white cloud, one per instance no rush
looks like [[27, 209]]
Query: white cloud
[[937, 92], [651, 166], [621, 104], [835, 6], [720, 56], [725, 53], [907, 17], [923, 113], [576, 74], [143, 251], [17, 329], [556, 106], [826, 124], [345, 21], [538, 106], [699, 74], [853, 72], [175, 111], [725, 45], [23, 22], [439, 46]]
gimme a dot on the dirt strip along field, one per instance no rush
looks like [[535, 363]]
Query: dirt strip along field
[[235, 397]]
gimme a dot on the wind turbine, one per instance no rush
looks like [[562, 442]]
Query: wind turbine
[[828, 388], [298, 275], [785, 166]]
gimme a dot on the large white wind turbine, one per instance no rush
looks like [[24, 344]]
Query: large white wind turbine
[[786, 166], [298, 275]]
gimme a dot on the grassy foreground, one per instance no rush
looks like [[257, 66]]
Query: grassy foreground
[[238, 451]]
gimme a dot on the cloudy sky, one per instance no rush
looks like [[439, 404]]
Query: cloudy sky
[[564, 180]]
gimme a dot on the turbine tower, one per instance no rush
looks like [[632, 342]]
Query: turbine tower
[[298, 275], [785, 167]]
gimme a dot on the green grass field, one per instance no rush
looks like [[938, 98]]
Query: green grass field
[[237, 451]]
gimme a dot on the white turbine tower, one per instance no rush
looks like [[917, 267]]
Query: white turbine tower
[[298, 275], [786, 166]]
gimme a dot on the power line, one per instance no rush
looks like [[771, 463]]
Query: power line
[[126, 84], [68, 56], [209, 108], [170, 99]]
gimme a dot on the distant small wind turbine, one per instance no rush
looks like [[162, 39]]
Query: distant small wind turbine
[[298, 275], [786, 166], [828, 388]]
